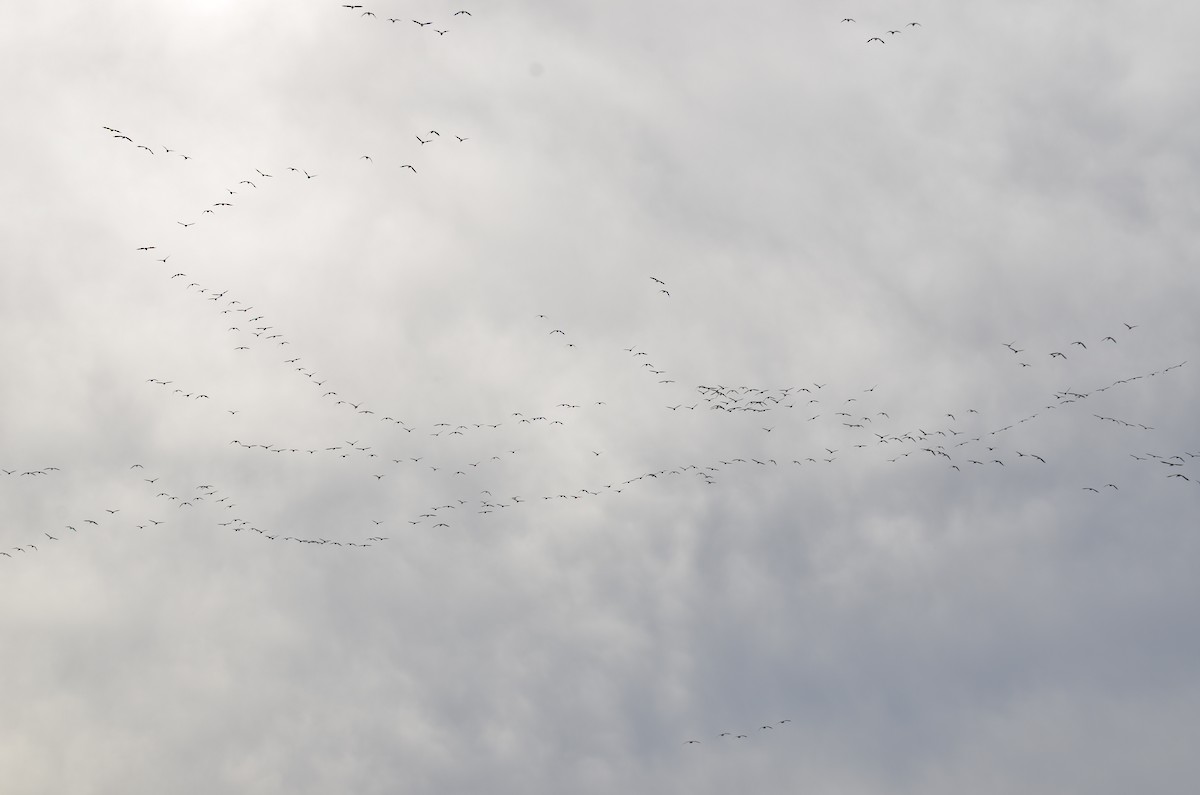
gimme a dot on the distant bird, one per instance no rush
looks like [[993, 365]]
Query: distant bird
[[309, 176], [913, 25], [423, 140], [1056, 353], [185, 226], [876, 38], [456, 13], [1128, 326], [406, 165], [1080, 344], [847, 19]]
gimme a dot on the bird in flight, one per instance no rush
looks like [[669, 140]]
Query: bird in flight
[[876, 38], [406, 165]]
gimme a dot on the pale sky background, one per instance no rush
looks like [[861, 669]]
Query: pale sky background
[[181, 609]]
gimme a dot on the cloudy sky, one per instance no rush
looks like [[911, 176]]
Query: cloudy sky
[[501, 403]]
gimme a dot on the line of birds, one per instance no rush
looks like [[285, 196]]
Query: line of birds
[[490, 505], [880, 39], [371, 14], [739, 736]]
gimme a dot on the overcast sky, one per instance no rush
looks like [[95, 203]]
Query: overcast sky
[[499, 404]]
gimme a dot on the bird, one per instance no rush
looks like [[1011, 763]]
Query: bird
[[309, 176], [423, 140], [406, 165], [876, 38], [456, 13]]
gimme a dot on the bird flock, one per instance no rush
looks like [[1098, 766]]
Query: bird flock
[[474, 470], [818, 424]]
